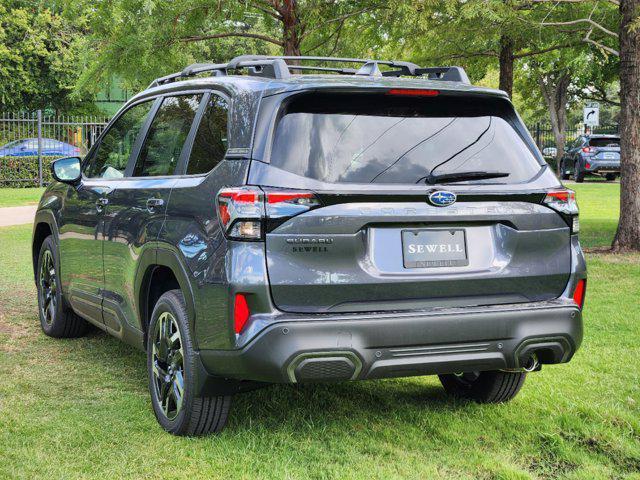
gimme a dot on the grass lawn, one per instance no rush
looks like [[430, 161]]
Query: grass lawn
[[13, 197], [599, 204], [80, 408]]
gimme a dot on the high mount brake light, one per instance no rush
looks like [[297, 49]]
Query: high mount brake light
[[580, 292], [564, 202], [242, 210], [413, 92]]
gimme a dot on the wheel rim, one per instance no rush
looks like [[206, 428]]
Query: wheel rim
[[168, 365], [48, 283], [466, 379]]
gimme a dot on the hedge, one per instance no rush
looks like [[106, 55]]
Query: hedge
[[23, 171]]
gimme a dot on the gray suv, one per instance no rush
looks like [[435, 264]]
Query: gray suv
[[252, 223]]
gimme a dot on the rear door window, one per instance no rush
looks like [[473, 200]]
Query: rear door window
[[166, 137], [210, 142], [373, 138]]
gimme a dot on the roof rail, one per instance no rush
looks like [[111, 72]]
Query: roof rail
[[277, 68]]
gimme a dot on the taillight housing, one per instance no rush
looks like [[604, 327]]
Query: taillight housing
[[246, 212], [588, 149], [580, 292], [564, 202]]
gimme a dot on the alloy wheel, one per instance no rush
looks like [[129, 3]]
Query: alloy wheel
[[48, 284], [168, 365]]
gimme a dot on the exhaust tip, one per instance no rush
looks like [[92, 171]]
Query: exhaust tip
[[531, 363]]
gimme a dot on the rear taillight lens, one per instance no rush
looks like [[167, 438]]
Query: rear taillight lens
[[240, 211], [588, 149], [580, 292], [241, 312], [243, 211], [564, 202]]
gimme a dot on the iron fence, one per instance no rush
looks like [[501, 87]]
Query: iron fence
[[27, 138], [542, 133]]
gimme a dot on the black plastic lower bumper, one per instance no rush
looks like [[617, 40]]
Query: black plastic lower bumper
[[403, 344]]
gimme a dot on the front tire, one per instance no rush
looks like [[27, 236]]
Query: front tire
[[172, 370], [484, 387], [56, 319], [564, 175]]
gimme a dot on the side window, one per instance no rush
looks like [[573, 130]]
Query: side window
[[210, 142], [161, 150], [111, 157]]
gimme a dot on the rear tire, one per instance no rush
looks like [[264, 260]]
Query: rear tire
[[57, 320], [563, 171], [610, 177], [172, 370], [484, 387], [578, 173]]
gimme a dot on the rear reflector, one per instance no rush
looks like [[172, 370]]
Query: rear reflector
[[240, 312], [579, 293], [413, 92]]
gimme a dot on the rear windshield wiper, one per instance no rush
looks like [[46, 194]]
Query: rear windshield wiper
[[462, 177]]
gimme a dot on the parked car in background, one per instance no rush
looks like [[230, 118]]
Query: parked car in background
[[28, 147], [550, 152], [592, 155], [275, 227]]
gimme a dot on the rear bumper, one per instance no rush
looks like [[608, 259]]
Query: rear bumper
[[397, 344], [602, 166]]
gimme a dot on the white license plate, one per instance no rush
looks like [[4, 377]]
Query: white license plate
[[434, 248]]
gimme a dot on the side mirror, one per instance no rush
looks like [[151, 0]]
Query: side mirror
[[66, 170]]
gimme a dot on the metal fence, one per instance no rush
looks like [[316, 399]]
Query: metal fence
[[31, 136], [542, 133]]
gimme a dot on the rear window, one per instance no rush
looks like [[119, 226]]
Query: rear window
[[604, 142], [377, 138]]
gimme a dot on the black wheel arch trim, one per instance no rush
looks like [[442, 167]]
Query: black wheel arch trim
[[43, 217]]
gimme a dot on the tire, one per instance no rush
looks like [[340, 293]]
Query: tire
[[484, 387], [563, 172], [171, 363], [610, 177], [56, 318], [578, 173]]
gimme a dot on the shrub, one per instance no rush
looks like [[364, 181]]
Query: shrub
[[23, 171]]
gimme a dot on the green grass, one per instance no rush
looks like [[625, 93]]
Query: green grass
[[599, 204], [80, 408], [13, 197]]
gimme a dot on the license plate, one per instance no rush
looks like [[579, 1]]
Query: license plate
[[609, 155], [434, 248]]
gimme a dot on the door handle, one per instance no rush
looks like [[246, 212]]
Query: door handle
[[154, 203], [101, 203]]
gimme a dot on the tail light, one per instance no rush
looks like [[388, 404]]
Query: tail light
[[588, 149], [245, 211], [240, 312], [564, 202], [580, 292]]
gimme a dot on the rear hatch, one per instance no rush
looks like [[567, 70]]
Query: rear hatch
[[385, 234], [605, 149]]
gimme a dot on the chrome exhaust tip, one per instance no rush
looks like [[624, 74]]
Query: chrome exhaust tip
[[531, 364]]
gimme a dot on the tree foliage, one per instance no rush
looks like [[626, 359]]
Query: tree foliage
[[39, 53]]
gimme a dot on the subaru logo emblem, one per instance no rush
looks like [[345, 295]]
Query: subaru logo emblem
[[440, 198]]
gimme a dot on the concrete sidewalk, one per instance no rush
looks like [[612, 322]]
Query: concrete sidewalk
[[17, 215]]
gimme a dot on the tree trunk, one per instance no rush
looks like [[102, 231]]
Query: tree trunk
[[628, 234], [291, 27], [506, 64], [555, 89]]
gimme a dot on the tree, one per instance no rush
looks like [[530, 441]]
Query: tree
[[594, 30], [38, 58], [479, 32], [140, 40]]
